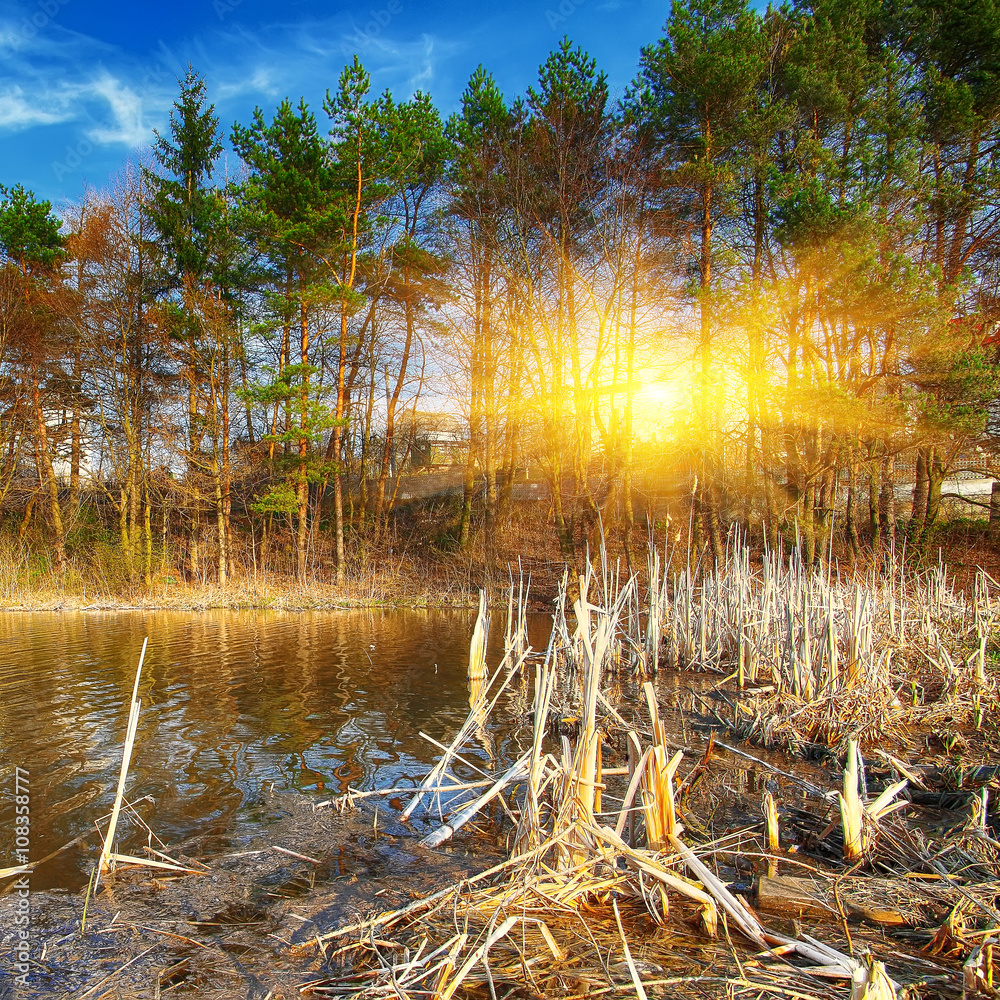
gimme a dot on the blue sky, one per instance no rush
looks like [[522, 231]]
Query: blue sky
[[83, 83]]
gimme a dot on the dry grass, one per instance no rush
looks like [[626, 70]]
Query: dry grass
[[611, 884]]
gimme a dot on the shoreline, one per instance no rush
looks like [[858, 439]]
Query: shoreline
[[282, 602], [445, 584], [448, 582]]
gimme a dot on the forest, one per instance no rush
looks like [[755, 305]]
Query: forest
[[758, 288]]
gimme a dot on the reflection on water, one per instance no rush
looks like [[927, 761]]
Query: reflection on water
[[230, 701]]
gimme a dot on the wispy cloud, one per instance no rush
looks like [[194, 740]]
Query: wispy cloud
[[19, 110], [59, 77], [259, 82], [83, 82], [127, 122], [422, 79], [119, 111]]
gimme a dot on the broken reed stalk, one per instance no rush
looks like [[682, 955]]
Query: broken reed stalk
[[106, 862], [640, 992], [446, 991], [855, 814], [515, 641], [530, 821], [869, 981], [584, 774], [658, 781], [772, 835], [472, 723], [480, 636], [814, 635], [449, 829], [851, 812], [564, 854]]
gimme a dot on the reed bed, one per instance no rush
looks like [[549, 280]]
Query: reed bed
[[820, 658], [611, 884], [604, 890]]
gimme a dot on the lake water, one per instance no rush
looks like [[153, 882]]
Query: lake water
[[231, 701]]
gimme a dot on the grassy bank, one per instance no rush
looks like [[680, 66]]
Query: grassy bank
[[246, 591], [419, 564]]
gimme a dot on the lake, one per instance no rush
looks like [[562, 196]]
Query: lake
[[231, 702]]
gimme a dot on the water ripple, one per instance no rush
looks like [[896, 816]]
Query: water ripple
[[230, 701]]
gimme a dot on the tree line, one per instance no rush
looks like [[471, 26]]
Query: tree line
[[797, 209]]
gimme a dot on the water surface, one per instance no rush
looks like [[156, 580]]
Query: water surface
[[316, 701]]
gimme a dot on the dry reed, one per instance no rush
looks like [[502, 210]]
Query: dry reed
[[521, 922]]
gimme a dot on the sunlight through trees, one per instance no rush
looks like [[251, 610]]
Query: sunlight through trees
[[761, 288]]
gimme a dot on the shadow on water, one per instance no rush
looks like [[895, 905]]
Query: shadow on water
[[232, 703]]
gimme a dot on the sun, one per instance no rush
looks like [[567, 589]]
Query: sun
[[657, 404], [661, 393]]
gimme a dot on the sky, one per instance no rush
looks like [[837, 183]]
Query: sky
[[83, 83]]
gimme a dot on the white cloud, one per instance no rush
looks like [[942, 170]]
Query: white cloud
[[127, 123], [260, 81], [82, 86], [122, 122], [20, 111], [420, 81]]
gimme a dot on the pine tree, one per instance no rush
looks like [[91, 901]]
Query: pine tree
[[417, 155], [955, 53], [694, 87], [566, 147], [186, 213], [361, 161], [293, 201], [479, 204]]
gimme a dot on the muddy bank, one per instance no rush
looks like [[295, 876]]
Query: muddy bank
[[232, 930]]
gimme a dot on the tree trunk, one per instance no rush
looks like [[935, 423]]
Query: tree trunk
[[76, 436], [851, 514], [469, 483], [365, 445], [874, 518], [302, 491], [50, 482], [918, 514], [935, 478], [220, 521], [225, 476], [995, 511], [147, 565], [336, 441], [887, 499]]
